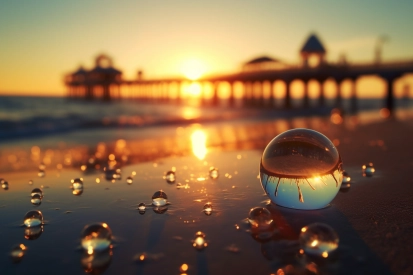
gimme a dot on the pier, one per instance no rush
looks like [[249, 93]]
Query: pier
[[255, 80]]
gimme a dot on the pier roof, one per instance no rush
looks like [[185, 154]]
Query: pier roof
[[313, 45], [107, 70], [80, 71], [261, 59]]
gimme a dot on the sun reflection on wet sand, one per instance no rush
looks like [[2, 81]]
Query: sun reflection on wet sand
[[198, 139]]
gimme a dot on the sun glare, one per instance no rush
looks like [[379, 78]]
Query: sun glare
[[194, 89], [193, 69]]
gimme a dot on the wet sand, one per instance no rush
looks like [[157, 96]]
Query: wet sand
[[373, 219]]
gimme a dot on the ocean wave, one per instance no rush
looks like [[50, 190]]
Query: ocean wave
[[28, 117]]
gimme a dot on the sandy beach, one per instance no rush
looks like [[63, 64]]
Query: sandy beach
[[373, 219]]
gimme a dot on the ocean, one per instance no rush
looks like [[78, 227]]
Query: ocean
[[28, 117]]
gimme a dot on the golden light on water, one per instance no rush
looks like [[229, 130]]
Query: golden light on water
[[190, 113], [194, 89], [198, 139]]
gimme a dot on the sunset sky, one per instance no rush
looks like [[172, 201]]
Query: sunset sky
[[43, 40]]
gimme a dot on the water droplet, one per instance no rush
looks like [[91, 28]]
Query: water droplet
[[142, 206], [301, 169], [213, 173], [318, 239], [170, 177], [41, 173], [4, 184], [17, 253], [33, 218], [159, 198], [208, 208], [112, 173], [96, 238], [36, 199], [77, 186], [346, 177], [260, 217], [129, 180], [42, 166], [346, 183], [30, 182], [199, 242], [368, 170], [37, 191]]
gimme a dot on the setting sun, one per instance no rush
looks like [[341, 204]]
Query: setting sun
[[193, 69]]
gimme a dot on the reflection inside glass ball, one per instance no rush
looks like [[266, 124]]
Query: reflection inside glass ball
[[301, 169]]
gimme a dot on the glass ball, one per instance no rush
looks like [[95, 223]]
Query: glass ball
[[301, 169]]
